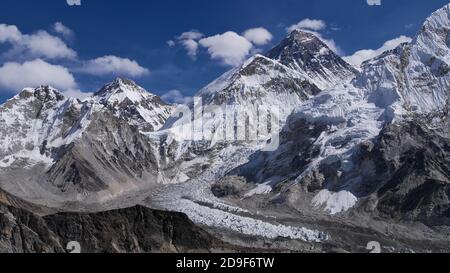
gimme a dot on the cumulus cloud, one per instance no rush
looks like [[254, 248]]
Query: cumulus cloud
[[189, 41], [191, 47], [35, 59], [258, 36], [191, 35], [366, 54], [113, 65], [311, 24], [170, 43], [230, 48], [16, 76], [66, 32], [9, 33], [42, 44], [175, 96], [37, 45]]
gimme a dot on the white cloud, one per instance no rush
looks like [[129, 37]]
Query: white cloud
[[189, 41], [16, 76], [366, 54], [170, 43], [191, 35], [310, 24], [191, 47], [113, 65], [258, 36], [63, 30], [229, 47], [9, 33], [175, 96], [42, 44], [314, 26], [38, 45]]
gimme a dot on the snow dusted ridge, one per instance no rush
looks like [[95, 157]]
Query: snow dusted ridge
[[33, 121], [118, 139], [37, 121], [262, 82], [307, 54], [414, 77], [130, 101]]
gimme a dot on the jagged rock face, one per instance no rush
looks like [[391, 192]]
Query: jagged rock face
[[35, 121], [261, 88], [268, 84], [109, 153], [410, 174], [320, 136], [414, 77], [7, 199], [138, 107], [306, 53], [407, 170], [296, 151], [260, 85], [132, 230], [257, 80], [80, 150]]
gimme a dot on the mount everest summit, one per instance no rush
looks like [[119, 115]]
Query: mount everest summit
[[362, 154]]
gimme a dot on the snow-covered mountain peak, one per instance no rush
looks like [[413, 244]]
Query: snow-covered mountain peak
[[308, 54], [413, 77], [259, 78], [433, 39], [120, 90], [43, 93], [133, 103]]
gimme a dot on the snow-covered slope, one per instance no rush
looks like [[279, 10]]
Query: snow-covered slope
[[413, 77], [322, 141], [129, 101], [272, 85], [73, 149], [310, 56], [36, 121], [342, 137]]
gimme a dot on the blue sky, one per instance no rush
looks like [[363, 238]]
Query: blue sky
[[102, 39]]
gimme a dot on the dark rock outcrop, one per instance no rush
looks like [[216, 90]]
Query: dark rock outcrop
[[137, 230], [412, 171]]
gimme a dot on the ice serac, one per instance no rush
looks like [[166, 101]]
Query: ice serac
[[309, 55], [131, 102]]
